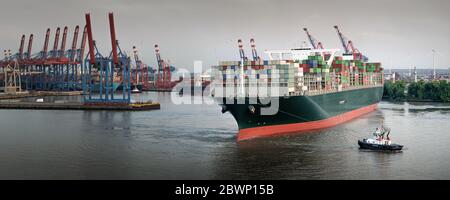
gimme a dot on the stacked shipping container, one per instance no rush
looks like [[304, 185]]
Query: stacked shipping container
[[297, 76]]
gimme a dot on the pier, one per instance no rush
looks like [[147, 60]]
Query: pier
[[81, 106]]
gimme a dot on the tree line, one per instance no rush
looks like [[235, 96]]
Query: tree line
[[419, 91]]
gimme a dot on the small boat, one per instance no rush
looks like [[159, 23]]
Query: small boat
[[379, 144]]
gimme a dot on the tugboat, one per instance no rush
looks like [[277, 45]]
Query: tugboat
[[378, 142]]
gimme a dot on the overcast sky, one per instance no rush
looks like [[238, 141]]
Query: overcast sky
[[398, 33]]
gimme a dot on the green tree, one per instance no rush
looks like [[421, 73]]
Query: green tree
[[413, 90], [444, 91], [395, 91], [399, 90], [421, 89]]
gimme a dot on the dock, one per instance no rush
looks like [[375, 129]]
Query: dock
[[81, 106], [39, 94]]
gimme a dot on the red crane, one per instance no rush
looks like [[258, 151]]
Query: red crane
[[63, 43], [90, 39], [83, 45], [74, 44], [30, 45], [55, 44], [112, 30], [22, 42], [45, 49]]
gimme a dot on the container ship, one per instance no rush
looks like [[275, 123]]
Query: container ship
[[307, 88]]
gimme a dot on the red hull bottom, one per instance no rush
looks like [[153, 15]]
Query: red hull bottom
[[265, 131]]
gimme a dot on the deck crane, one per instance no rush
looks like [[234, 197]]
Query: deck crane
[[315, 44], [349, 48], [254, 53]]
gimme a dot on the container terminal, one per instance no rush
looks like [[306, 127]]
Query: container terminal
[[106, 81]]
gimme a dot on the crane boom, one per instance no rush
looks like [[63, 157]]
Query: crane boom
[[74, 44], [55, 44], [343, 40], [90, 39], [314, 43], [63, 42], [311, 39], [30, 45], [241, 50], [47, 38], [254, 53], [158, 57], [82, 45], [113, 38], [22, 42], [136, 57]]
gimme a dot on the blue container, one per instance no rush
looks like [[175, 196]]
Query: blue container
[[233, 67], [266, 62]]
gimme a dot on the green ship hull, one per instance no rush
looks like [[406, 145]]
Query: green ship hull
[[299, 113]]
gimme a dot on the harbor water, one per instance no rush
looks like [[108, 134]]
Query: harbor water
[[199, 142]]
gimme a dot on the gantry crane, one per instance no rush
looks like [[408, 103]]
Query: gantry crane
[[254, 53], [348, 46], [314, 43], [241, 51], [164, 75]]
